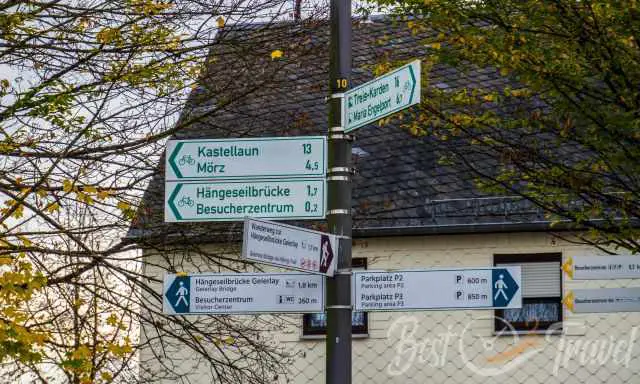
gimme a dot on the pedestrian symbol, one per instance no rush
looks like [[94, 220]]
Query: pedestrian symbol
[[504, 287], [182, 292], [326, 254], [500, 286], [178, 294]]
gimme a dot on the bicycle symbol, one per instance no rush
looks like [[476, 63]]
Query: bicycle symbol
[[186, 159], [407, 85], [186, 200]]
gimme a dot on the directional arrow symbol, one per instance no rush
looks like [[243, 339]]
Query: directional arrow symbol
[[568, 301], [172, 160], [504, 287], [567, 267], [172, 202], [179, 294], [413, 83]]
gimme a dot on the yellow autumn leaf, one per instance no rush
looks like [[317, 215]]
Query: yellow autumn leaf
[[41, 193], [435, 45], [106, 376], [489, 98], [83, 197], [123, 205], [67, 185], [220, 21], [90, 189], [18, 212], [229, 340], [25, 240], [112, 320], [276, 54], [104, 193], [53, 207], [5, 260]]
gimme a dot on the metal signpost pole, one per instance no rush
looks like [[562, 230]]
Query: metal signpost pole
[[338, 344]]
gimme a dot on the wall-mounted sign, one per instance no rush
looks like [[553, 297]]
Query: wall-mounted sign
[[603, 300], [602, 267]]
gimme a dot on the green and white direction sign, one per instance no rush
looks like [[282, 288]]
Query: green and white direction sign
[[387, 94], [265, 157], [290, 247], [235, 200], [238, 293], [441, 289]]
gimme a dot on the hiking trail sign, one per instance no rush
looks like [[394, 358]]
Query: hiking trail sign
[[289, 247], [266, 157], [603, 300], [235, 200], [438, 289], [602, 267], [243, 293], [381, 97]]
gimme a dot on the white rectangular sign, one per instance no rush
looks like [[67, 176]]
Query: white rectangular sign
[[603, 267], [235, 200], [266, 157], [382, 96], [290, 247], [604, 300], [229, 293], [473, 288]]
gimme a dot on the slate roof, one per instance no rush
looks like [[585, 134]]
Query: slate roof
[[400, 186]]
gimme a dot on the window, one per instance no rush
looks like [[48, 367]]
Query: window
[[315, 324], [541, 293]]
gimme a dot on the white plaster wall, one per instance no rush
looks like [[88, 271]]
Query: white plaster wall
[[459, 346]]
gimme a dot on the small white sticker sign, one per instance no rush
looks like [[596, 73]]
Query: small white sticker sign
[[289, 247]]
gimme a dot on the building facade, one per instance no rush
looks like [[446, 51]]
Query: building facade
[[468, 346], [411, 210]]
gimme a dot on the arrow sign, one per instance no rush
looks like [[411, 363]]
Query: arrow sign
[[602, 267], [567, 267], [441, 289], [235, 200], [381, 97], [603, 300], [229, 293], [290, 247], [266, 157]]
